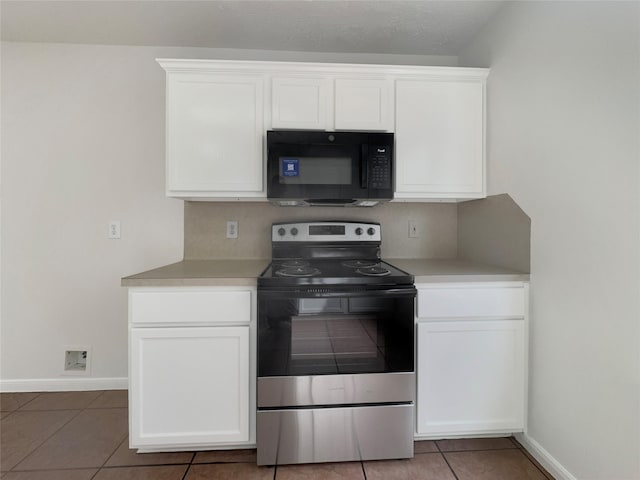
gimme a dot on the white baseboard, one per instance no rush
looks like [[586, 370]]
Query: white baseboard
[[552, 465], [63, 384]]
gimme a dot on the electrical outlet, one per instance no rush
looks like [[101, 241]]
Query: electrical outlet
[[413, 229], [232, 229], [114, 230]]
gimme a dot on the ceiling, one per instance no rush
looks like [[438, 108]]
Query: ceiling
[[418, 27]]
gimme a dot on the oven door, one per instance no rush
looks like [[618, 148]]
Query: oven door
[[319, 331]]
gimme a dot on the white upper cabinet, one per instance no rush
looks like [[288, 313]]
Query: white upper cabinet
[[215, 130], [218, 112], [333, 101], [363, 104], [300, 103], [440, 140]]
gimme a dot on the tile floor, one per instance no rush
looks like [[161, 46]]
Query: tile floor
[[84, 436]]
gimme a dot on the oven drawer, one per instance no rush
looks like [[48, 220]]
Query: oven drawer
[[334, 434], [477, 300]]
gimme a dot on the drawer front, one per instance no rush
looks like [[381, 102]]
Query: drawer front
[[471, 301], [190, 306], [334, 434]]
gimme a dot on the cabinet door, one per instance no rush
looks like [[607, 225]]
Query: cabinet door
[[363, 104], [439, 138], [189, 386], [300, 103], [215, 126], [471, 377]]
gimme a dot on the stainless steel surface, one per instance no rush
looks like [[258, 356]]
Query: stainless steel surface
[[336, 389], [335, 348], [300, 232], [334, 434]]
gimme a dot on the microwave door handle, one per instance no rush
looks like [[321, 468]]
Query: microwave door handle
[[364, 166]]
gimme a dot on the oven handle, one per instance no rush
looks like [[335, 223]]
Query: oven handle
[[332, 293]]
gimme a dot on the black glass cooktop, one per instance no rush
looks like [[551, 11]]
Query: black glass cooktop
[[332, 272]]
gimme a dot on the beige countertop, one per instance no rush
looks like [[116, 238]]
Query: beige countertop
[[200, 273], [245, 272], [455, 270]]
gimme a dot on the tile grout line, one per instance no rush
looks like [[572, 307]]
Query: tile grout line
[[480, 450], [45, 440], [526, 453], [446, 461], [27, 403], [121, 441], [80, 411], [11, 412], [364, 472], [528, 456], [186, 472], [107, 459], [114, 451]]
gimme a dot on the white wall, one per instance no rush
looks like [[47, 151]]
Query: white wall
[[83, 144], [564, 130]]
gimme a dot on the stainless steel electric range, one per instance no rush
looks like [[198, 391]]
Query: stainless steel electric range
[[335, 348]]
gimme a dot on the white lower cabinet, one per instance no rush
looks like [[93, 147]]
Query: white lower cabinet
[[191, 382], [471, 369]]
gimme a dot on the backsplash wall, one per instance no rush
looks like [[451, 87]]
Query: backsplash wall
[[205, 228]]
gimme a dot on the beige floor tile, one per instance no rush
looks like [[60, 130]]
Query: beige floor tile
[[493, 465], [86, 441], [62, 401], [111, 399], [84, 474], [425, 446], [172, 472], [430, 466], [226, 456], [124, 456], [13, 401], [22, 432], [321, 471], [229, 471], [467, 444]]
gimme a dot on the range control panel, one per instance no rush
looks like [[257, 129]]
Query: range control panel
[[325, 232]]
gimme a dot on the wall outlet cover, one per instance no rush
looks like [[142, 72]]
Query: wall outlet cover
[[414, 232], [232, 229]]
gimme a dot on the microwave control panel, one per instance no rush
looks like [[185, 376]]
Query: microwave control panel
[[379, 167]]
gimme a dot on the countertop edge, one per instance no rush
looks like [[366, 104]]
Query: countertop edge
[[196, 273], [190, 282], [462, 278]]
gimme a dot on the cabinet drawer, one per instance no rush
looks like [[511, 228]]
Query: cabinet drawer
[[471, 301], [189, 306]]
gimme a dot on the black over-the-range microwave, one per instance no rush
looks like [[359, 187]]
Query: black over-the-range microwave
[[318, 168]]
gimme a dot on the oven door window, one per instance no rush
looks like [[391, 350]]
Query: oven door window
[[346, 335]]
